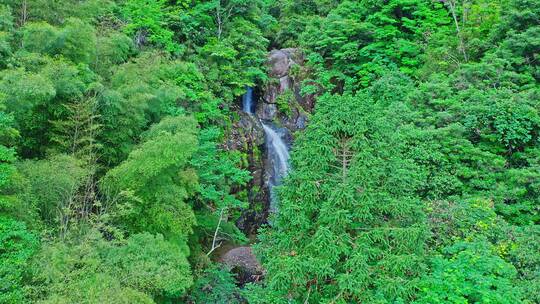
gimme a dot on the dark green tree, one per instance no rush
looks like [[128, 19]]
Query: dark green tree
[[350, 227], [17, 246]]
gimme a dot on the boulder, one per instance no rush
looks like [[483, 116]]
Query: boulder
[[279, 62], [267, 111], [295, 115], [244, 263]]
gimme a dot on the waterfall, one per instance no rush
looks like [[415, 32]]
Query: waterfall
[[277, 150], [247, 101], [278, 158]]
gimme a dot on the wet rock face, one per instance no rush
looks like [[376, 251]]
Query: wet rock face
[[247, 132], [247, 136], [280, 63], [281, 100], [280, 104]]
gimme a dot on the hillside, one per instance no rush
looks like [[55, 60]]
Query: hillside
[[259, 151]]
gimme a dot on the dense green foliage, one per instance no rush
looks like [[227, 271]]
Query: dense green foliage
[[112, 115], [17, 247], [446, 136], [417, 179], [354, 196]]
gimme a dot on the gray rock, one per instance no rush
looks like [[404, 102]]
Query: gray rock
[[246, 132], [284, 83], [244, 263], [301, 121], [281, 81], [270, 94], [279, 63], [242, 257], [267, 111]]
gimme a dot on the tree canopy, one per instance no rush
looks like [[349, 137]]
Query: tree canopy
[[128, 170]]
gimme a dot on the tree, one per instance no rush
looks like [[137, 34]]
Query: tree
[[489, 127], [471, 273], [151, 265], [215, 286], [8, 171], [142, 92], [216, 202], [476, 254], [155, 181], [53, 188], [6, 33], [520, 246], [349, 226], [8, 199], [518, 33], [77, 270], [76, 40], [218, 172], [36, 94], [58, 11], [361, 41], [112, 49], [146, 20], [17, 246]]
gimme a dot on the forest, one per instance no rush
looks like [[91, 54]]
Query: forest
[[270, 151]]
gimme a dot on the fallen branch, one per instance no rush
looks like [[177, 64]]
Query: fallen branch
[[214, 240]]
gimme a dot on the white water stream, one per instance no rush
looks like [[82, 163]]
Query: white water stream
[[277, 151]]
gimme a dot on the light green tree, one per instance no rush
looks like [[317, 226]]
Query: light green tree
[[154, 183]]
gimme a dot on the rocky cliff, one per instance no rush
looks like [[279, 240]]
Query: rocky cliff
[[281, 99], [279, 102]]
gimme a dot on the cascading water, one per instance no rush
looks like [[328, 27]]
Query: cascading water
[[278, 158], [247, 101], [277, 150]]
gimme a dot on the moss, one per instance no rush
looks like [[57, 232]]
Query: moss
[[256, 153], [294, 71], [244, 157], [283, 102], [242, 195], [258, 206]]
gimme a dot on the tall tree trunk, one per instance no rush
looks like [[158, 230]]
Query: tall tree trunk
[[452, 6]]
